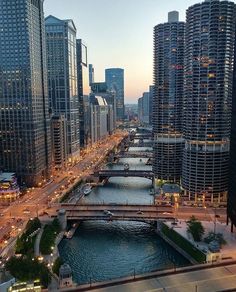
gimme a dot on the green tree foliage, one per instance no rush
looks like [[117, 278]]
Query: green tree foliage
[[25, 243], [26, 269], [48, 237], [195, 228], [56, 266], [215, 237]]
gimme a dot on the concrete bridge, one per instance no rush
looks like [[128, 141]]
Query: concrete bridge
[[133, 154], [141, 144], [142, 136], [118, 212], [107, 173]]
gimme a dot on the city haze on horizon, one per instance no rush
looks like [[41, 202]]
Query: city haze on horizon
[[119, 34]]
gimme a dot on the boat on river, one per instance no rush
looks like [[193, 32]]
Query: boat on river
[[87, 189], [71, 232]]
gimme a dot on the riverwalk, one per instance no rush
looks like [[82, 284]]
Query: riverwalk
[[228, 251], [201, 278]]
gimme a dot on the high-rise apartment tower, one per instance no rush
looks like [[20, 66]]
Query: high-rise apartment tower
[[210, 38], [168, 98]]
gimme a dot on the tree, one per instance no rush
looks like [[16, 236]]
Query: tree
[[211, 236], [28, 269], [56, 266], [195, 228]]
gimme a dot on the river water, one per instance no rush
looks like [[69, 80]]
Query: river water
[[102, 251]]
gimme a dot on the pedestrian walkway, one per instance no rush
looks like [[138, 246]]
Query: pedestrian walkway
[[201, 278], [228, 251], [37, 242]]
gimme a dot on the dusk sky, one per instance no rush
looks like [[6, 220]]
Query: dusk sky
[[119, 33]]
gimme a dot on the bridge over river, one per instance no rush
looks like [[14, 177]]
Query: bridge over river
[[134, 154], [145, 213], [107, 173]]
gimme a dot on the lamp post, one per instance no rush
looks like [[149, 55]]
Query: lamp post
[[214, 221]]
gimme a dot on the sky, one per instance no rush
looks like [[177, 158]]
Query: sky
[[119, 33]]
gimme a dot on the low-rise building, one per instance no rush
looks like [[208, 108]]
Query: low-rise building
[[9, 188]]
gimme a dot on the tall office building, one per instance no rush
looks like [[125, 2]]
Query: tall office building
[[91, 74], [25, 146], [210, 37], [151, 94], [83, 85], [101, 89], [62, 78], [115, 82], [143, 108], [168, 98], [99, 114]]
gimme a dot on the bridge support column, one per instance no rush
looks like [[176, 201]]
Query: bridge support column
[[61, 216], [154, 185]]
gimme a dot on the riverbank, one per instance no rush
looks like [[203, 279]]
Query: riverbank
[[180, 279]]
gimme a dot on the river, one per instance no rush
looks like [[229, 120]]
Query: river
[[101, 251]]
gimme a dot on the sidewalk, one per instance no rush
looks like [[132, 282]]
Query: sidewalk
[[227, 251], [37, 242]]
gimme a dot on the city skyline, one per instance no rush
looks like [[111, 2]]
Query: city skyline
[[99, 25]]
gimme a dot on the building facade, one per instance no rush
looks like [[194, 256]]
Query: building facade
[[25, 145], [101, 89], [91, 74], [143, 108], [99, 114], [151, 94], [210, 37], [231, 206], [62, 78], [168, 98], [83, 86], [59, 141], [9, 188], [114, 78]]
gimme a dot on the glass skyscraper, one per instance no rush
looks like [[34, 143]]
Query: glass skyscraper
[[62, 77], [25, 146], [210, 38], [83, 86], [168, 98], [115, 82]]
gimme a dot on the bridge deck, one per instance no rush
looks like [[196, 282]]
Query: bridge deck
[[118, 212], [124, 173], [133, 154]]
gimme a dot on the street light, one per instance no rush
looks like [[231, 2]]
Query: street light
[[214, 221], [205, 212]]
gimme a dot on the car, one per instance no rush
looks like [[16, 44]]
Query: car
[[140, 212], [26, 211], [217, 216], [108, 213], [1, 214]]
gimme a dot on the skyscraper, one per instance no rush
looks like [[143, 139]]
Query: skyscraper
[[91, 74], [151, 93], [25, 146], [62, 77], [83, 85], [115, 82], [231, 206], [143, 108], [168, 98], [210, 37]]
